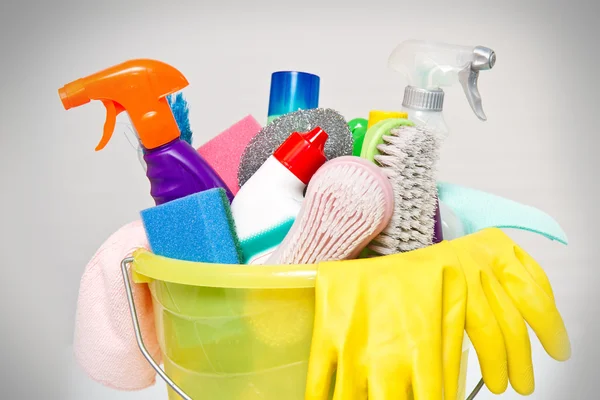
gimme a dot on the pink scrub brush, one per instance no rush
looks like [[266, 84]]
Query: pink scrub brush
[[348, 202]]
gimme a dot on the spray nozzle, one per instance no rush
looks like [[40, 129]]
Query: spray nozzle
[[429, 66], [140, 88]]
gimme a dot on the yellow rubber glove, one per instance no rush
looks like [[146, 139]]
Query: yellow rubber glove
[[506, 288], [391, 327]]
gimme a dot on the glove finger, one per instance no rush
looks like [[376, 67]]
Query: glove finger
[[485, 333], [427, 372], [535, 270], [321, 365], [321, 362], [388, 383], [537, 308], [348, 384], [453, 313], [516, 336]]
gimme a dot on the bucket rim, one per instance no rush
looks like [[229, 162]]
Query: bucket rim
[[147, 266]]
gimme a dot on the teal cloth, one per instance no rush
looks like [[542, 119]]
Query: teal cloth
[[479, 210]]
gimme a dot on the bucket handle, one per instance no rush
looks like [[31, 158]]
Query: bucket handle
[[138, 333], [161, 373]]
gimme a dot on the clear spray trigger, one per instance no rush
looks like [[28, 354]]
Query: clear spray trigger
[[483, 59], [431, 66]]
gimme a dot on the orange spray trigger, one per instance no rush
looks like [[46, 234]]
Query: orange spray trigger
[[139, 87], [112, 110]]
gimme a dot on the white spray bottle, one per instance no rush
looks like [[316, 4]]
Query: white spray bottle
[[428, 67]]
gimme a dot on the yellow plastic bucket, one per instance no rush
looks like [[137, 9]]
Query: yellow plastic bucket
[[233, 332]]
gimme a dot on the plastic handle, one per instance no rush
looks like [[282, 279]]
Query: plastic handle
[[483, 58], [112, 110], [468, 79], [431, 65]]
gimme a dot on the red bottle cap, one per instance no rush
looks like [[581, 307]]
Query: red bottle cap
[[303, 153]]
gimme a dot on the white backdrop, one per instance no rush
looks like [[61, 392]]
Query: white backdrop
[[61, 200]]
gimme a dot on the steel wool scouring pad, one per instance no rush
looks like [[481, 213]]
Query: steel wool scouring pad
[[273, 135], [198, 228]]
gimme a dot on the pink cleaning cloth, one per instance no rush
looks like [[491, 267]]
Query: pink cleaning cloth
[[348, 202], [224, 151], [105, 345]]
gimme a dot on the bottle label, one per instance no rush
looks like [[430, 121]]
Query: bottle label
[[265, 241]]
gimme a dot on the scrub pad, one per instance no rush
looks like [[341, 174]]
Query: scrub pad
[[198, 228], [274, 134], [224, 151], [348, 202], [408, 156]]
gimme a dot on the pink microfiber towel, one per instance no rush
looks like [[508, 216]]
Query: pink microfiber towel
[[224, 151], [105, 345]]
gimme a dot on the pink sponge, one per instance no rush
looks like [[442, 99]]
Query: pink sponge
[[224, 152]]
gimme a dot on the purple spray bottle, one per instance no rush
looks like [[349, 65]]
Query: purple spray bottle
[[140, 87]]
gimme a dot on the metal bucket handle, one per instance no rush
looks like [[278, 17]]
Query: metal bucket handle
[[138, 332], [159, 371]]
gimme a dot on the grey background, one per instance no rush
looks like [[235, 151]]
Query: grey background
[[60, 199]]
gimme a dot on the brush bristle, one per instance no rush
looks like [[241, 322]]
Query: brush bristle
[[181, 112], [274, 134], [408, 157], [346, 205]]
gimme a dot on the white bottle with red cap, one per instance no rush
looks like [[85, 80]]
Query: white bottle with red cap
[[265, 208]]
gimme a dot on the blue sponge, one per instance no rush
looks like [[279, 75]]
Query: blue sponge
[[198, 227]]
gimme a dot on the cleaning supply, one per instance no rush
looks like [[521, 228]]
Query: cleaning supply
[[478, 210], [508, 290], [104, 341], [181, 113], [367, 302], [429, 66], [180, 109], [389, 327], [197, 227], [292, 91], [377, 115], [267, 204], [139, 87], [374, 135], [272, 136], [408, 158], [358, 128], [224, 151], [452, 225], [347, 203]]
